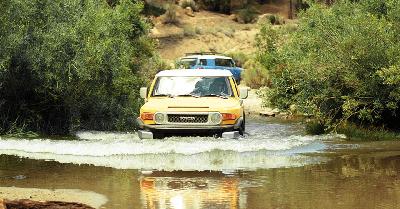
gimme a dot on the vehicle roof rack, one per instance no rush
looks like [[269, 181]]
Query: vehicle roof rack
[[203, 53]]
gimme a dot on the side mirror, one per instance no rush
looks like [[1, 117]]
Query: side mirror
[[243, 93], [143, 92]]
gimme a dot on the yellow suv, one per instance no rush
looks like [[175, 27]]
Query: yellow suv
[[188, 101]]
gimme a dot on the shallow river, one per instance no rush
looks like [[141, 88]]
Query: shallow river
[[274, 166]]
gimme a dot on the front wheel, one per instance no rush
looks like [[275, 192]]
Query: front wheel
[[242, 127], [158, 135]]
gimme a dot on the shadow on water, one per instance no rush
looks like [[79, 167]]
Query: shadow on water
[[277, 167]]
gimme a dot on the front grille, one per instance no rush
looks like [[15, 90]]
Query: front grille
[[187, 118]]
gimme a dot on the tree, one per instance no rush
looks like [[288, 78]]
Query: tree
[[71, 64], [342, 64]]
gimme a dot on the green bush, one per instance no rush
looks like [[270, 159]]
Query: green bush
[[223, 6], [154, 10], [71, 64], [275, 19], [255, 75], [188, 3], [240, 58], [341, 64], [315, 128], [355, 132], [247, 15]]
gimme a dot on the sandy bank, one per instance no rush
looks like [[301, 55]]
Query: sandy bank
[[67, 195]]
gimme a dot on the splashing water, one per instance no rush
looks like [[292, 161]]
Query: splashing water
[[268, 145]]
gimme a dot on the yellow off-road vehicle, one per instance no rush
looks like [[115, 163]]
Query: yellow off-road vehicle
[[191, 101]]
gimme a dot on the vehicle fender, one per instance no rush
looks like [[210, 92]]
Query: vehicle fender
[[139, 123], [239, 121]]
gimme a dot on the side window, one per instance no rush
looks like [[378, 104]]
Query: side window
[[232, 63], [224, 62], [203, 62]]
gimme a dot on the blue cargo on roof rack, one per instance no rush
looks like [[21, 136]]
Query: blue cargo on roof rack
[[210, 60]]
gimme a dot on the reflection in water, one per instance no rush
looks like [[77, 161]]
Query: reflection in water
[[358, 180], [191, 190]]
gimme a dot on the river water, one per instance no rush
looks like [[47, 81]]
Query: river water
[[274, 166]]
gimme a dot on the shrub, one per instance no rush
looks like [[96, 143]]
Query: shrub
[[198, 30], [189, 31], [255, 75], [188, 3], [170, 16], [355, 132], [275, 19], [67, 65], [315, 127], [223, 6], [247, 15], [229, 32], [154, 10], [240, 58], [151, 67], [336, 68]]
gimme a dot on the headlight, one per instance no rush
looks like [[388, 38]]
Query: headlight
[[216, 118], [159, 117]]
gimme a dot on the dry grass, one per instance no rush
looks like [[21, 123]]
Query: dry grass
[[170, 16]]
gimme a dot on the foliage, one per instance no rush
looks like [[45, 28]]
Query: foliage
[[355, 132], [189, 30], [240, 58], [70, 64], [341, 64], [170, 16], [247, 15], [188, 3], [223, 6], [153, 9], [315, 128], [151, 67], [257, 73], [275, 19]]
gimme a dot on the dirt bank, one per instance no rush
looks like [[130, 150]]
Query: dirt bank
[[66, 195]]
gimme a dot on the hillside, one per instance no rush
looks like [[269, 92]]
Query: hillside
[[211, 31]]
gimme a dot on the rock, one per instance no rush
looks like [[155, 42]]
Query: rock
[[189, 11], [276, 111], [267, 114], [2, 204]]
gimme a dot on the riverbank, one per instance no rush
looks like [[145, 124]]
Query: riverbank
[[89, 198], [253, 106]]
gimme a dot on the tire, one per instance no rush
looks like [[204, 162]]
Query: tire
[[242, 127], [158, 135]]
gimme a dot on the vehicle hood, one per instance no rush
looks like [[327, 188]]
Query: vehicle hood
[[190, 104]]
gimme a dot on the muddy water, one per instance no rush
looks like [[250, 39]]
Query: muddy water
[[274, 166]]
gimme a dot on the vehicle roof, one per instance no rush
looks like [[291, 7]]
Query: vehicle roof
[[194, 73], [206, 57]]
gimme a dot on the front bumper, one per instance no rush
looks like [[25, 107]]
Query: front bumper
[[188, 127]]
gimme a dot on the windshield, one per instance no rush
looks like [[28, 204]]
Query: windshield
[[192, 86], [187, 62]]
